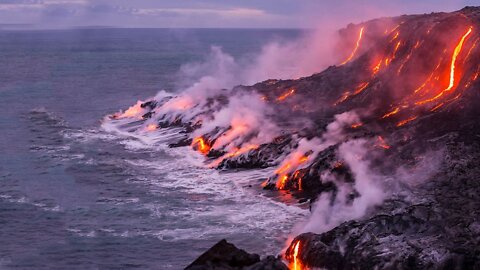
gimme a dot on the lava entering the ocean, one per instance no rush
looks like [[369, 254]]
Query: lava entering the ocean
[[292, 256], [201, 145]]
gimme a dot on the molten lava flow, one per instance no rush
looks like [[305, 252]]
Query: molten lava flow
[[451, 84], [360, 35], [396, 49], [151, 127], [382, 143], [395, 36], [201, 145], [471, 49], [289, 165], [429, 77], [406, 121], [286, 95], [437, 107], [134, 111], [344, 97], [458, 49], [238, 151], [282, 182], [376, 69], [394, 111], [234, 153], [295, 263], [357, 125], [360, 88]]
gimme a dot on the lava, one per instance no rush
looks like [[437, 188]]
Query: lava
[[201, 145], [286, 95], [357, 45], [245, 149], [382, 143], [455, 54], [394, 111], [357, 125], [376, 69], [151, 127], [295, 263], [458, 49], [288, 166], [344, 97], [134, 111], [395, 36], [361, 87], [406, 121]]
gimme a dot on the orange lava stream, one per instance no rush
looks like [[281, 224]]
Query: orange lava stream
[[287, 167], [406, 121], [360, 88], [242, 150], [451, 84], [134, 111], [357, 125], [376, 69], [382, 143], [395, 37], [429, 77], [471, 49], [201, 145], [395, 111], [360, 35], [344, 97], [151, 127], [295, 264], [396, 49], [286, 95]]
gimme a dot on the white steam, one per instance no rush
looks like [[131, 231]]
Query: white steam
[[370, 188], [335, 133]]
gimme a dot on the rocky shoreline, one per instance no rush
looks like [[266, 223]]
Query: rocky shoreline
[[387, 144]]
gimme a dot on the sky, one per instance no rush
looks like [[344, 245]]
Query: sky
[[60, 14]]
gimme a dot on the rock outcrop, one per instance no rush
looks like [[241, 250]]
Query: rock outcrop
[[226, 256]]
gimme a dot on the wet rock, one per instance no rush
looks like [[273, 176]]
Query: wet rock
[[181, 143], [224, 255]]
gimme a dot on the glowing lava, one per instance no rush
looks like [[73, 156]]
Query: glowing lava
[[360, 88], [151, 127], [357, 125], [360, 35], [201, 145], [288, 166], [406, 121], [382, 143], [394, 111], [286, 95], [451, 83], [134, 111], [458, 49], [245, 149], [295, 264]]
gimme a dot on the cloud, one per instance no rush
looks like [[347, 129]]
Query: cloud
[[235, 12], [210, 13]]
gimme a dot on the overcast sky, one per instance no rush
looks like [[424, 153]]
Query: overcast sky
[[207, 13]]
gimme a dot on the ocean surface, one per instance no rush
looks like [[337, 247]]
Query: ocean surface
[[76, 195]]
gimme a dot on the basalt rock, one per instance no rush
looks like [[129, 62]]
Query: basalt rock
[[442, 231], [224, 255]]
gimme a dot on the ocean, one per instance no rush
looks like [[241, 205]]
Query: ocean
[[77, 195]]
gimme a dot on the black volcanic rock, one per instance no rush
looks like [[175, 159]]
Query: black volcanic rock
[[441, 231], [224, 255]]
